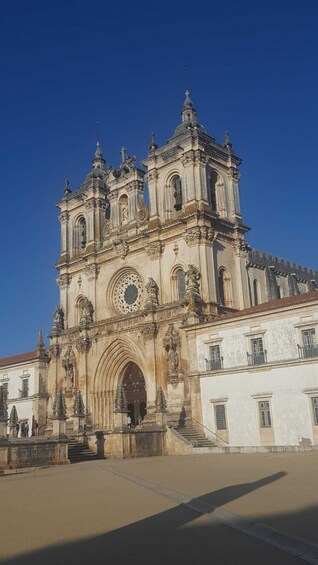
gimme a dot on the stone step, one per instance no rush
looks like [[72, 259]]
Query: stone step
[[78, 452], [189, 432]]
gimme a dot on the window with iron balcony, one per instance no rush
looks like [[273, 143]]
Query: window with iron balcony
[[258, 355], [310, 347], [215, 360]]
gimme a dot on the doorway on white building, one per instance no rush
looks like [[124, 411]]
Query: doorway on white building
[[135, 389]]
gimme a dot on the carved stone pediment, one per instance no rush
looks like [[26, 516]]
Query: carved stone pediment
[[121, 248]]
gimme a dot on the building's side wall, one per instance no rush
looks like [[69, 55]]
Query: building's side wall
[[285, 381]]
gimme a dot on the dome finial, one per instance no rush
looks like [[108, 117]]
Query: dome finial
[[98, 161], [227, 142], [153, 145], [188, 113]]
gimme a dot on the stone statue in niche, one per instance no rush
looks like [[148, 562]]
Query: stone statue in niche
[[171, 343], [87, 311], [68, 363], [152, 289], [192, 293], [82, 234]]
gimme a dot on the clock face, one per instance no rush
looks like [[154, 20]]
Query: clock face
[[128, 293]]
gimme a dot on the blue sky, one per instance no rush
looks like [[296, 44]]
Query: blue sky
[[251, 67]]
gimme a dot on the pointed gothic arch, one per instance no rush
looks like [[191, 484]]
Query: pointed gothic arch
[[225, 288], [110, 372]]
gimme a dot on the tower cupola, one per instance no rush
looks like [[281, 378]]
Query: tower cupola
[[98, 161], [188, 112]]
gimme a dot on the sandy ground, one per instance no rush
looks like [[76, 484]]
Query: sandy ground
[[161, 510]]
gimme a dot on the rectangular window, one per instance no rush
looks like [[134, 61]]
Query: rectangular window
[[215, 361], [220, 416], [309, 343], [315, 409], [265, 414], [258, 353], [25, 388]]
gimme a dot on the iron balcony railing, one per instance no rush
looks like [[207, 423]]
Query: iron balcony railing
[[214, 365], [257, 358], [24, 393], [307, 351]]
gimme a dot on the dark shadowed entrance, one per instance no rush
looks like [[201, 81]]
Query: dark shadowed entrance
[[134, 385]]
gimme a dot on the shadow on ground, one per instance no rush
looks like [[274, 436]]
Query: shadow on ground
[[176, 536]]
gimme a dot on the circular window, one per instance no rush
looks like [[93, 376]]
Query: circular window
[[128, 293]]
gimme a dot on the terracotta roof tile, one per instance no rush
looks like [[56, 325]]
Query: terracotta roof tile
[[19, 358], [274, 304]]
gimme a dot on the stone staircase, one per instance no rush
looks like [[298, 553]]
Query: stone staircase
[[78, 452], [192, 434]]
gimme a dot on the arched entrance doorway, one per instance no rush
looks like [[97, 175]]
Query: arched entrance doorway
[[135, 389]]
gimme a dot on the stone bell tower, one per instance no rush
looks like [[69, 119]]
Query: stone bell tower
[[193, 184]]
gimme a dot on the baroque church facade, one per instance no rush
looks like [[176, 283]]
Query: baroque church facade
[[136, 272]]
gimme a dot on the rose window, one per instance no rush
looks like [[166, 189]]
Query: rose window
[[128, 293]]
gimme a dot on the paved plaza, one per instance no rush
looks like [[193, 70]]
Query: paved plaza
[[245, 509]]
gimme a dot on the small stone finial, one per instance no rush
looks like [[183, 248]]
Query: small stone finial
[[161, 404], [153, 145], [13, 418], [98, 152], [121, 400], [3, 405], [67, 189], [227, 142], [123, 154], [187, 103], [59, 406], [40, 342], [79, 407]]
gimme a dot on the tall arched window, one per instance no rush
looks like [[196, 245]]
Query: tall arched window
[[225, 288], [79, 235], [181, 284], [177, 193], [123, 209], [212, 181], [82, 233], [255, 292]]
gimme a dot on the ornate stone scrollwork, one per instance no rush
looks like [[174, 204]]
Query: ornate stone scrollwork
[[64, 217], [91, 271], [192, 236], [83, 344], [149, 330], [107, 228], [199, 234], [121, 248], [63, 281], [154, 249], [241, 248]]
